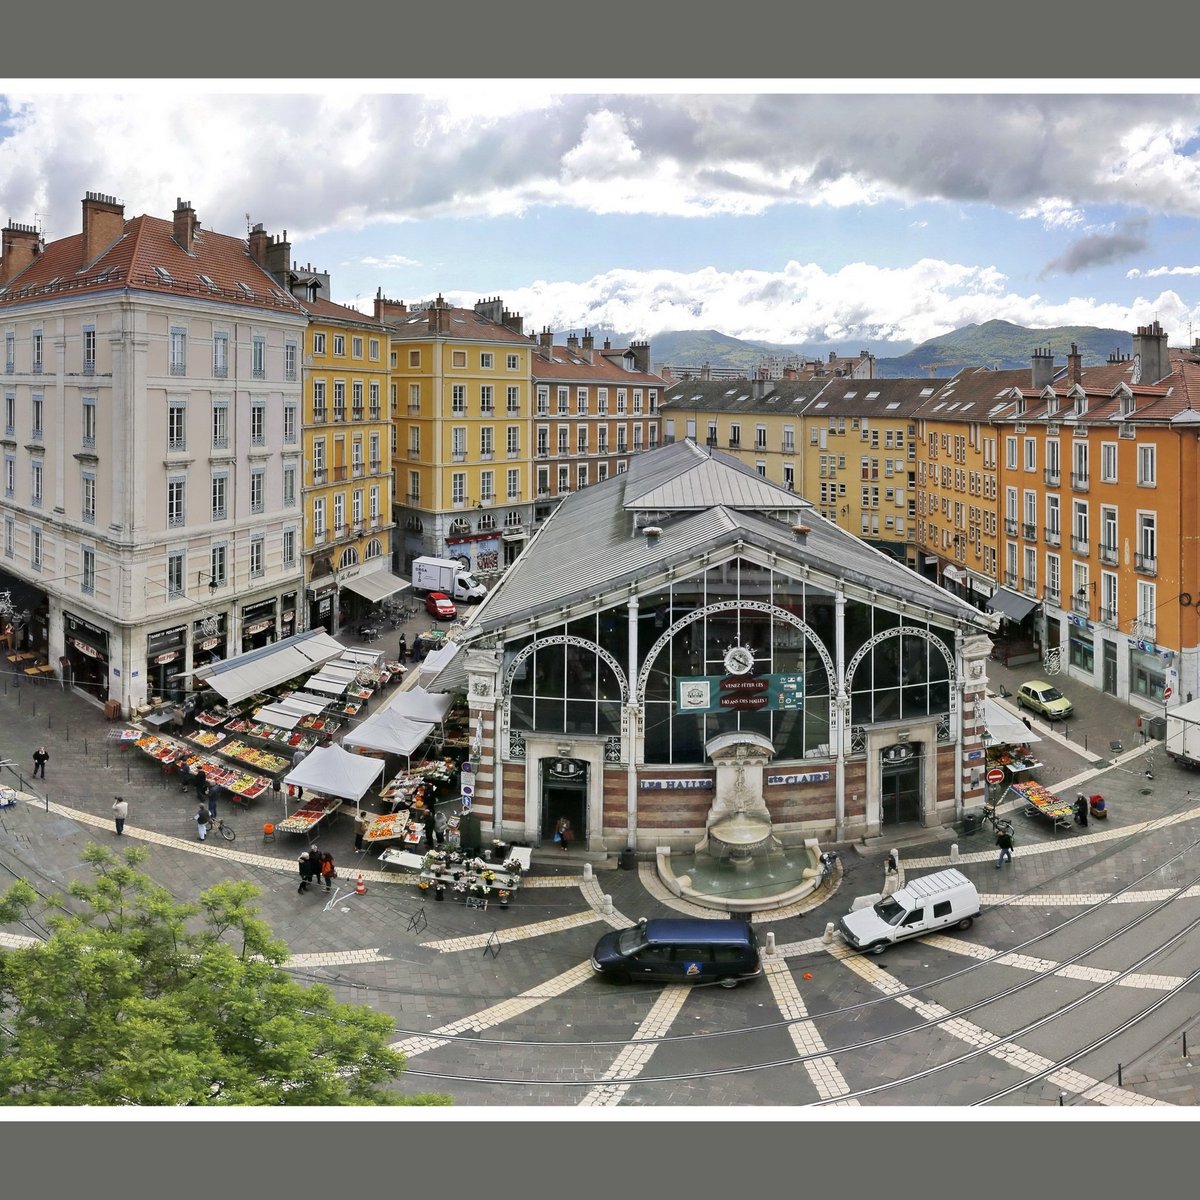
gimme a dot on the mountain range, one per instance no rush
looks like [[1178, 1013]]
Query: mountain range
[[997, 344]]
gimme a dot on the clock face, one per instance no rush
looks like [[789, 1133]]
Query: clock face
[[739, 660]]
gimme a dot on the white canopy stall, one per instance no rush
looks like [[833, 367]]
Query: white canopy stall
[[390, 732], [1003, 728], [420, 705], [268, 667], [336, 772]]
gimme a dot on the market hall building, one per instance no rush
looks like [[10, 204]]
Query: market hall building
[[687, 608]]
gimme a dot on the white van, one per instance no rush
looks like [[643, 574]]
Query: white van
[[921, 906]]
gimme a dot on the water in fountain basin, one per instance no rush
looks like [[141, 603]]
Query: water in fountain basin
[[766, 875]]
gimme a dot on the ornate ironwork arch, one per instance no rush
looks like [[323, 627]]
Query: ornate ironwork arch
[[566, 639], [909, 631], [770, 610]]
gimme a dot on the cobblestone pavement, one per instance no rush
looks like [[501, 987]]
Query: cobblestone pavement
[[500, 1007]]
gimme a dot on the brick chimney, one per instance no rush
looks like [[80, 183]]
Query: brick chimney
[[103, 223], [388, 310], [587, 348], [1150, 342], [573, 343], [19, 246], [436, 310], [641, 356], [1075, 364], [513, 321], [1043, 368], [185, 225], [546, 339], [258, 245]]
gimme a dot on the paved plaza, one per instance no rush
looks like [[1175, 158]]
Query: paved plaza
[[500, 1007]]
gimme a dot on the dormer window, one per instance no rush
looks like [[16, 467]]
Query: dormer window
[[1020, 406], [163, 274], [1128, 403], [1080, 405], [1052, 405]]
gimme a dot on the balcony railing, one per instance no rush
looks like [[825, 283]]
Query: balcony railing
[[1079, 544], [320, 415], [1108, 554], [1029, 586], [1010, 579], [1029, 532], [1053, 536], [1107, 616], [1145, 564], [735, 443], [339, 474], [1051, 595], [1010, 526], [1080, 605], [1080, 483], [1052, 476]]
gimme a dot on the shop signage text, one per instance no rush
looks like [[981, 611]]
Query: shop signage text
[[805, 777], [677, 785]]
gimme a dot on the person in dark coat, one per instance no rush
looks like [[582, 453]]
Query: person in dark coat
[[201, 784], [402, 651], [430, 828], [1081, 809], [304, 865], [185, 775]]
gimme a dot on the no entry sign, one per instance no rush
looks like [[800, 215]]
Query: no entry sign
[[995, 775]]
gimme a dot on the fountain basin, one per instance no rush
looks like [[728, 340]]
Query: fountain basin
[[758, 884]]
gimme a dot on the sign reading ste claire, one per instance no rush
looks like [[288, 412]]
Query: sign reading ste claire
[[723, 693]]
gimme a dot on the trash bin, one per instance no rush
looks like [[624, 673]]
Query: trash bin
[[1158, 728], [627, 861]]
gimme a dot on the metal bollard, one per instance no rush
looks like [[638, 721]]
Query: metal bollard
[[954, 852], [608, 906], [827, 936], [587, 872], [770, 943]]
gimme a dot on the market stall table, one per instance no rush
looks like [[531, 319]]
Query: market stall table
[[390, 827], [1040, 801], [306, 818]]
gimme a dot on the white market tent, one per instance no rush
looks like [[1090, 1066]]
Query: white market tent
[[363, 658], [277, 715], [420, 705], [336, 772], [436, 662], [322, 683], [260, 670], [390, 732], [1003, 728], [304, 703]]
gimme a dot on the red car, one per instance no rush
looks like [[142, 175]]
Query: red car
[[439, 605]]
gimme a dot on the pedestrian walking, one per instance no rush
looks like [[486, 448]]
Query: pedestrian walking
[[185, 775], [563, 833], [202, 820], [41, 756], [1081, 809], [201, 783], [1005, 842], [120, 812], [210, 794], [402, 651], [430, 829], [328, 870], [361, 822], [305, 867], [297, 759]]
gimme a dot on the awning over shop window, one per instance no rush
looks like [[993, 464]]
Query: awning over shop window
[[952, 573], [1003, 728], [1011, 604], [260, 670], [379, 585]]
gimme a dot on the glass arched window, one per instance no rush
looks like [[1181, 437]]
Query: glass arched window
[[349, 557]]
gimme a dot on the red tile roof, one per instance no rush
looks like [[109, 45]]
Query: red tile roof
[[147, 243]]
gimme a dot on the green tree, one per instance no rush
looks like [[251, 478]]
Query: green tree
[[136, 998]]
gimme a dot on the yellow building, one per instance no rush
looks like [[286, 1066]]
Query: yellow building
[[464, 441]]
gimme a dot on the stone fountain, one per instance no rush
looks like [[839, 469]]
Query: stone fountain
[[740, 865]]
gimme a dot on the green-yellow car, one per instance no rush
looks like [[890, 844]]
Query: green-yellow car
[[1045, 698]]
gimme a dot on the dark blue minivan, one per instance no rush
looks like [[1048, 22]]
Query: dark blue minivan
[[680, 950]]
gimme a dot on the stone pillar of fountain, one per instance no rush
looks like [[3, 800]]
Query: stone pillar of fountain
[[738, 821]]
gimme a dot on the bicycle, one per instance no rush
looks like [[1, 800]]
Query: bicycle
[[999, 824], [219, 826]]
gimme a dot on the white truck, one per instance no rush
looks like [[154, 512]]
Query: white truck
[[445, 575], [1183, 733]]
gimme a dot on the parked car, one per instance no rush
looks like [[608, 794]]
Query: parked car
[[439, 605], [1045, 698], [680, 950]]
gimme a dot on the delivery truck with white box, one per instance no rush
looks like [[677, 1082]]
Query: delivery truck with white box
[[1183, 733], [431, 574]]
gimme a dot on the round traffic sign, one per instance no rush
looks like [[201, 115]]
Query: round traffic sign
[[995, 775], [1167, 692]]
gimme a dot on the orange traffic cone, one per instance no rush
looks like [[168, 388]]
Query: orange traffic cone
[[360, 888]]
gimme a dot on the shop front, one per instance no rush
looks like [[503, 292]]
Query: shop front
[[86, 652], [321, 598], [209, 641], [166, 655], [287, 615], [258, 624]]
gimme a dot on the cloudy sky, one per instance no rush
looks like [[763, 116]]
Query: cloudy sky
[[860, 219]]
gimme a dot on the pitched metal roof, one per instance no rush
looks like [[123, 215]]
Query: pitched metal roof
[[594, 545]]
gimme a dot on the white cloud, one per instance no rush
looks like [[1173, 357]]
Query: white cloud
[[1154, 272], [1054, 213], [388, 262]]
